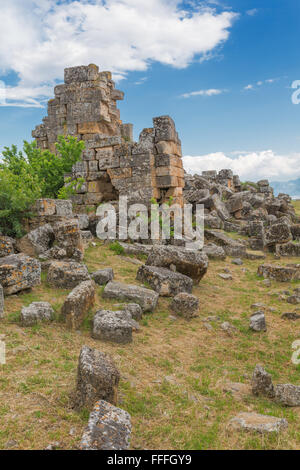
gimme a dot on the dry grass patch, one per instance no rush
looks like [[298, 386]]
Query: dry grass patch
[[173, 374]]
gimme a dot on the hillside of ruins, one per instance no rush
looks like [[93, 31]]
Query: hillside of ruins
[[139, 344]]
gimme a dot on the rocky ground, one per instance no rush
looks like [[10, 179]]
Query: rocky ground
[[183, 382]]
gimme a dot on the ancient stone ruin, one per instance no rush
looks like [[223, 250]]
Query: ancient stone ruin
[[112, 164]]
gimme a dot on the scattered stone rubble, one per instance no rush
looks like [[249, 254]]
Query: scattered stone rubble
[[284, 394], [113, 165]]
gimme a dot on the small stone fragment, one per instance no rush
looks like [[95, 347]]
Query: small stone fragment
[[103, 276], [258, 321]]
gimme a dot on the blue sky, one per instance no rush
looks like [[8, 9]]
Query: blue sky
[[224, 72]]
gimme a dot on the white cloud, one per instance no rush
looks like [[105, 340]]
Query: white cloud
[[249, 166], [252, 12], [209, 92], [38, 39], [260, 83]]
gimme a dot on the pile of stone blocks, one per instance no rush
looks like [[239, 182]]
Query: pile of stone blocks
[[112, 164]]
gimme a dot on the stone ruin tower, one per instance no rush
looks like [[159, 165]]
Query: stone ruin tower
[[112, 164]]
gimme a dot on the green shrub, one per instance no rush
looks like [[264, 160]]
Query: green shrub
[[17, 195], [31, 174], [117, 248]]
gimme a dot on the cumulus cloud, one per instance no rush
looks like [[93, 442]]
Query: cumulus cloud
[[39, 38], [249, 166], [209, 92]]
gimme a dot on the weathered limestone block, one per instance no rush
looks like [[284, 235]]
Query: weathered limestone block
[[6, 246], [37, 242], [146, 298], [287, 395], [1, 303], [279, 273], [262, 382], [86, 236], [258, 321], [136, 248], [78, 304], [164, 129], [235, 203], [295, 229], [213, 251], [278, 233], [37, 312], [167, 283], [67, 275], [230, 246], [191, 263], [83, 220], [103, 276], [97, 378], [115, 327], [256, 422], [288, 249], [19, 272], [186, 305], [109, 428], [68, 236], [45, 207], [64, 208], [135, 310]]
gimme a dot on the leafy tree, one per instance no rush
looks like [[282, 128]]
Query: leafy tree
[[49, 168]]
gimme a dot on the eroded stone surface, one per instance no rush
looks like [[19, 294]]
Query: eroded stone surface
[[146, 298], [186, 305], [258, 423], [109, 428], [113, 326], [78, 304], [97, 378], [67, 274], [103, 276], [19, 272], [258, 321], [279, 273], [37, 312], [262, 382], [167, 283], [191, 263]]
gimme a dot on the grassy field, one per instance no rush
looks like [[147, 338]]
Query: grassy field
[[296, 204], [174, 374]]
